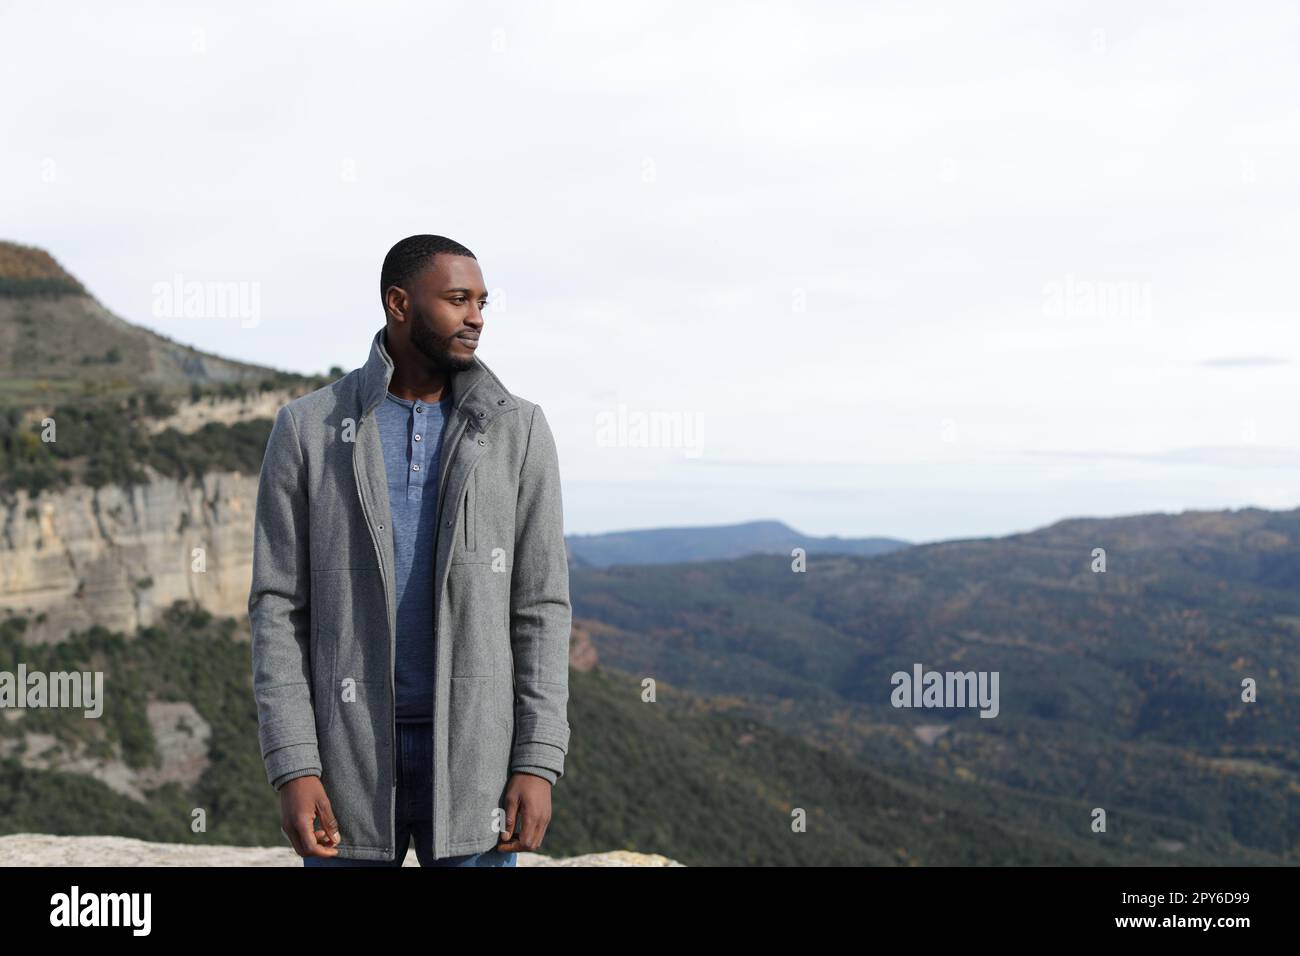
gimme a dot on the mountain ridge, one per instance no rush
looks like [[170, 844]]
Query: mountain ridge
[[712, 542], [56, 339]]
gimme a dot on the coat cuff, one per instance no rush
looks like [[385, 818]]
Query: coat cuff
[[540, 742], [296, 760], [537, 754], [550, 776]]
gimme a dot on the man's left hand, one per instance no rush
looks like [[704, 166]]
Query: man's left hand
[[528, 802]]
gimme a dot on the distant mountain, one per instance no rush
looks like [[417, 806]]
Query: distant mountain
[[1120, 689], [56, 340], [665, 545]]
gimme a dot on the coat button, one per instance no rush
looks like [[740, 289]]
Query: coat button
[[501, 401], [448, 523], [482, 441], [381, 527], [482, 414]]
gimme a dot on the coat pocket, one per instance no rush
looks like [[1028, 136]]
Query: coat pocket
[[470, 522], [349, 640], [349, 618]]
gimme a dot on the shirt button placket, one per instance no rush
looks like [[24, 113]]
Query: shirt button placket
[[416, 449]]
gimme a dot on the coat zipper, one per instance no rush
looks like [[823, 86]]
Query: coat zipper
[[392, 651], [437, 607]]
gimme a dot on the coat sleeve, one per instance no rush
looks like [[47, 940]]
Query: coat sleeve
[[279, 610], [540, 613]]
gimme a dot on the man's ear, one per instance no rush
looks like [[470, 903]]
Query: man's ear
[[396, 302]]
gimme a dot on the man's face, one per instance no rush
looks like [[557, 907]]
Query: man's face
[[444, 308]]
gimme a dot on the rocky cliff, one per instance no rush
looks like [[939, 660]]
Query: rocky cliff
[[38, 849], [116, 556], [108, 551]]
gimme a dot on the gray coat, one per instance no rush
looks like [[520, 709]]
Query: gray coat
[[323, 615]]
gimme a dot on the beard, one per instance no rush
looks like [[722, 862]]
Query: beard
[[435, 349]]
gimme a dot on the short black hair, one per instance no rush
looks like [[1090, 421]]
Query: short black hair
[[409, 258]]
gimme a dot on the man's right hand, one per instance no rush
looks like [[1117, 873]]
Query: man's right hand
[[303, 799]]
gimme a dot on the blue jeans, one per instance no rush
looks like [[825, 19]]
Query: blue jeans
[[414, 800]]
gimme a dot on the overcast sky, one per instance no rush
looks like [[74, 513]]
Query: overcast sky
[[920, 270]]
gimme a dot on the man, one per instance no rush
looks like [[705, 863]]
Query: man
[[410, 599]]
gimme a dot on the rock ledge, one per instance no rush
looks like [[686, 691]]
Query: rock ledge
[[40, 849]]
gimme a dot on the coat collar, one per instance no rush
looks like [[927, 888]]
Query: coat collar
[[476, 392]]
